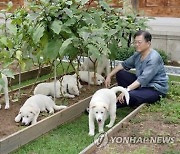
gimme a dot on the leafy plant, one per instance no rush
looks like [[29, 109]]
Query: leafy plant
[[124, 53], [163, 55], [49, 29]]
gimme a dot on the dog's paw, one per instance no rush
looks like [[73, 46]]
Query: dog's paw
[[6, 107], [101, 131], [91, 133], [51, 112], [109, 126], [17, 119], [71, 96]]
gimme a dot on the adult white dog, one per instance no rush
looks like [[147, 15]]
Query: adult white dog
[[90, 78], [29, 112], [102, 104], [5, 90], [67, 87], [103, 65]]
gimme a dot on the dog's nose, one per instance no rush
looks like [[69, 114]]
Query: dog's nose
[[99, 120]]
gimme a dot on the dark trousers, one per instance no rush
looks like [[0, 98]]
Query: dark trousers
[[137, 96]]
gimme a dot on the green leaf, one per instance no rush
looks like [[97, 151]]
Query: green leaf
[[70, 22], [19, 55], [112, 32], [38, 33], [84, 35], [12, 29], [105, 5], [3, 40], [8, 73], [52, 48], [97, 19], [68, 12], [93, 50], [56, 26], [64, 46]]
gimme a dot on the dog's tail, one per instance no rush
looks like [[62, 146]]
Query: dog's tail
[[57, 108], [123, 90]]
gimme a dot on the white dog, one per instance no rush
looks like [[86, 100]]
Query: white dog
[[103, 65], [90, 78], [5, 90], [67, 87], [29, 112], [102, 104]]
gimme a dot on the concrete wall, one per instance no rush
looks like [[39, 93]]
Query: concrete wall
[[166, 36], [169, 42]]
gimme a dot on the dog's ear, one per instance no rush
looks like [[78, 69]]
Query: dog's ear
[[33, 112], [106, 107], [92, 107]]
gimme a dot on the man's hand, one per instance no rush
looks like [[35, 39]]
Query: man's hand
[[108, 81], [120, 98]]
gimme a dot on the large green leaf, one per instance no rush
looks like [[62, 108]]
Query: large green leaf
[[56, 26], [8, 73], [38, 33], [65, 44], [52, 48]]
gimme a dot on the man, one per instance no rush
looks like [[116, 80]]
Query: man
[[150, 81]]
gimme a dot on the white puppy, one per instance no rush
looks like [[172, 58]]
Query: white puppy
[[29, 112], [103, 65], [47, 89], [5, 90], [102, 104], [67, 87], [90, 78]]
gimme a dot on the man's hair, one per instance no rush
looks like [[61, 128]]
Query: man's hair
[[146, 34]]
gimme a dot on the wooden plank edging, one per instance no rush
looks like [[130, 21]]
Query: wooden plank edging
[[31, 132], [31, 74], [92, 147]]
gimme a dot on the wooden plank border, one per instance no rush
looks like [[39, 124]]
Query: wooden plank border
[[31, 74], [30, 133], [92, 147]]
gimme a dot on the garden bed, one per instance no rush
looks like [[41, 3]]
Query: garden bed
[[149, 133], [12, 135]]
